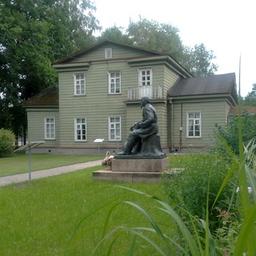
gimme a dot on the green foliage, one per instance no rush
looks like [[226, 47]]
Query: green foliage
[[250, 99], [246, 124], [189, 189], [164, 38], [116, 34], [199, 61], [156, 36], [33, 34], [7, 140]]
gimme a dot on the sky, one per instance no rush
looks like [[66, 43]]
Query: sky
[[227, 27]]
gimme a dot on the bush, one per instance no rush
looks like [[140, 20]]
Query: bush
[[7, 140], [202, 177], [246, 124]]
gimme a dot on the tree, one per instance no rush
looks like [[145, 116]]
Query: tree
[[250, 99], [199, 60], [115, 34], [34, 33], [164, 38], [156, 36]]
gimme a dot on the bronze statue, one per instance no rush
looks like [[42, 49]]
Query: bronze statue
[[143, 139]]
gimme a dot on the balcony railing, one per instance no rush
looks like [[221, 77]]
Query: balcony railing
[[152, 92]]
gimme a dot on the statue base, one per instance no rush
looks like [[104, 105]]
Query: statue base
[[133, 170]]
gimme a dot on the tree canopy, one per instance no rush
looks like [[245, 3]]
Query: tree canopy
[[164, 38], [34, 33]]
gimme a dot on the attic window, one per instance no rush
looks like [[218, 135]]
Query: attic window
[[108, 53]]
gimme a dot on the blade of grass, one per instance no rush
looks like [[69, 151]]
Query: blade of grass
[[184, 230]]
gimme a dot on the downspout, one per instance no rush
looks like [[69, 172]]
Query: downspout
[[181, 126], [172, 124]]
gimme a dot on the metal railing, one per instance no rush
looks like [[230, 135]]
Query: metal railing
[[152, 92]]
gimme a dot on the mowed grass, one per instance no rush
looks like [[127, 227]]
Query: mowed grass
[[18, 163], [65, 215]]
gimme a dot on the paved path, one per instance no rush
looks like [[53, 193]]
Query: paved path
[[18, 178]]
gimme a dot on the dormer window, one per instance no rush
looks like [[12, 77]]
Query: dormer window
[[108, 53]]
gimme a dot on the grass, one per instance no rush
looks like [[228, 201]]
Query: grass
[[65, 215], [18, 163]]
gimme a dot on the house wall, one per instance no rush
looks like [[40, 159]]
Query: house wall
[[36, 125], [97, 105], [169, 79], [213, 113]]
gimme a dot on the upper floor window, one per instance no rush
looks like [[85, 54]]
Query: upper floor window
[[194, 124], [114, 82], [114, 128], [80, 129], [49, 128], [145, 77], [108, 53], [79, 83]]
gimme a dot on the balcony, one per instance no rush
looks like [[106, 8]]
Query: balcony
[[152, 92]]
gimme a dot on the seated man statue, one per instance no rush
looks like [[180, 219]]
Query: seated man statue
[[143, 130]]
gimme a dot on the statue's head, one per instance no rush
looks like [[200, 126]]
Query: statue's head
[[144, 101]]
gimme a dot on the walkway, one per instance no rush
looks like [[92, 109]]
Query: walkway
[[18, 178]]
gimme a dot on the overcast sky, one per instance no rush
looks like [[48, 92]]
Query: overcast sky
[[228, 27]]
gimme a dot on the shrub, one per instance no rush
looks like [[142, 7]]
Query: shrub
[[245, 124], [7, 140], [202, 178]]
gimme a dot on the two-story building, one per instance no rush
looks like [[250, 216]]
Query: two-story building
[[98, 96]]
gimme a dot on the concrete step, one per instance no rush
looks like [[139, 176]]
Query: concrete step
[[127, 176]]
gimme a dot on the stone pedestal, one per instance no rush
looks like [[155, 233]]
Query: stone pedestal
[[133, 170]]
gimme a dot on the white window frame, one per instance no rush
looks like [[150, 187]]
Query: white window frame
[[79, 84], [143, 82], [197, 121], [114, 81], [108, 53], [76, 128], [112, 125], [49, 128]]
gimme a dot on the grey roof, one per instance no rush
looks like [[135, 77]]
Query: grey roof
[[203, 86], [47, 97]]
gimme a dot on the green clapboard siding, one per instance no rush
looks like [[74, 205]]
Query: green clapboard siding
[[117, 53], [212, 114], [169, 79], [97, 105], [36, 125]]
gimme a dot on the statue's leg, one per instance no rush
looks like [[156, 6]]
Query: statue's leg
[[132, 140]]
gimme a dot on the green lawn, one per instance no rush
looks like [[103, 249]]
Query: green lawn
[[39, 218], [18, 163]]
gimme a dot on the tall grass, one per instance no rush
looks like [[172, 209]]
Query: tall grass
[[194, 237]]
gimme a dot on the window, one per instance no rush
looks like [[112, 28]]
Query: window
[[194, 124], [145, 77], [80, 129], [108, 53], [79, 84], [49, 128], [114, 128], [114, 82]]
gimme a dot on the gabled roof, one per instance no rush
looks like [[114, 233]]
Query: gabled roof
[[100, 44], [151, 56], [224, 84], [48, 97]]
